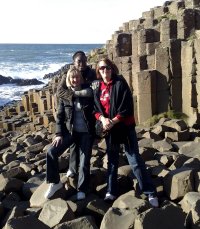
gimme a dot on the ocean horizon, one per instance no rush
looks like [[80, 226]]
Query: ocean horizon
[[28, 61]]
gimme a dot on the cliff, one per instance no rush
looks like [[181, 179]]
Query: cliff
[[158, 55]]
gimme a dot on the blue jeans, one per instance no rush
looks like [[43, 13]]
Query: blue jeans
[[53, 152], [73, 159], [135, 161], [81, 143], [112, 151], [83, 146], [137, 164]]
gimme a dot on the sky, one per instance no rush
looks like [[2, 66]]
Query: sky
[[67, 21]]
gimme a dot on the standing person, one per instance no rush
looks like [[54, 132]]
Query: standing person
[[89, 75], [114, 108], [74, 124]]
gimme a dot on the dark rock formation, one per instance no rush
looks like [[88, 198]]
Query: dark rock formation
[[19, 82], [175, 172], [5, 80], [59, 72]]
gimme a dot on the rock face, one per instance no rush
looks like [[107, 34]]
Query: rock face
[[19, 82], [158, 55]]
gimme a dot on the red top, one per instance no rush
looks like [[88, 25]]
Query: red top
[[105, 102]]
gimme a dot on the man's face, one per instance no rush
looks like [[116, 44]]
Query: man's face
[[80, 62]]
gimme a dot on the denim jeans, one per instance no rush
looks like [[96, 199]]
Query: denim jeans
[[135, 161], [83, 145], [80, 143], [112, 151], [137, 164], [53, 152], [73, 159]]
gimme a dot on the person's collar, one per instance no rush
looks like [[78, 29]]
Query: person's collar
[[109, 83]]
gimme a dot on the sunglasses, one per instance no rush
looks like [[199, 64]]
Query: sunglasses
[[105, 67]]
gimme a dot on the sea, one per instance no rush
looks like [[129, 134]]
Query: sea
[[28, 61]]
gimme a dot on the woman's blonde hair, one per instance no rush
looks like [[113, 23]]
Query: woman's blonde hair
[[72, 72]]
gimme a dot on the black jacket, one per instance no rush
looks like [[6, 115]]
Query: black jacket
[[88, 74], [64, 118], [121, 102]]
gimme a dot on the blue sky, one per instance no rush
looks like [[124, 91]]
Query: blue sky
[[67, 21]]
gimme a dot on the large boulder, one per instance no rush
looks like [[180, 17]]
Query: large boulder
[[168, 217], [56, 211]]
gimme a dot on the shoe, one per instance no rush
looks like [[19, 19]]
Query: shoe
[[69, 173], [80, 196], [153, 200], [52, 189], [66, 187], [109, 197]]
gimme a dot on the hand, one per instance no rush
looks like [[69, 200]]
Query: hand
[[95, 84], [107, 123], [57, 140]]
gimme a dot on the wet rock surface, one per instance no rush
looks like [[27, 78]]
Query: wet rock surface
[[19, 82]]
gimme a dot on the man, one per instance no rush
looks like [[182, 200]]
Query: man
[[89, 75], [80, 62]]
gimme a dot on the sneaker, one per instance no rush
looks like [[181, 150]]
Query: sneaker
[[52, 189], [69, 173], [153, 200], [80, 196], [109, 197], [66, 187]]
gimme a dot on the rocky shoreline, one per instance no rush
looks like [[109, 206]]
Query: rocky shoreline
[[170, 149], [19, 82], [171, 152]]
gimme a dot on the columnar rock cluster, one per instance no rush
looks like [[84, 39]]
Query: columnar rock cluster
[[158, 54], [36, 110], [171, 152]]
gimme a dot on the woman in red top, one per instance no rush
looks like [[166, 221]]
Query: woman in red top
[[114, 108]]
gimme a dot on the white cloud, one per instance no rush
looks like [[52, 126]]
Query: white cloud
[[67, 21]]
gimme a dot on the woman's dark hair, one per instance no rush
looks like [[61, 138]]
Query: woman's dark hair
[[109, 63]]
